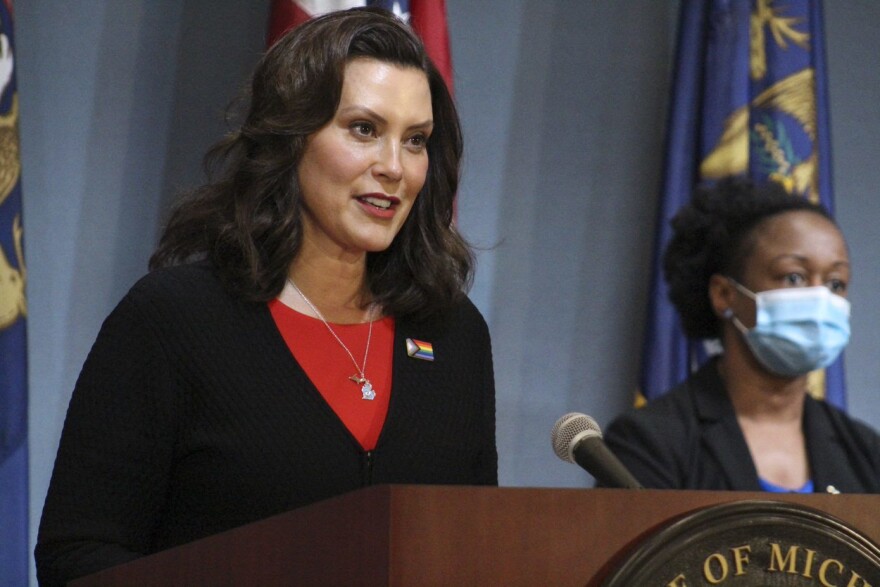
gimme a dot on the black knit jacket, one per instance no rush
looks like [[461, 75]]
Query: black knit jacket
[[191, 416]]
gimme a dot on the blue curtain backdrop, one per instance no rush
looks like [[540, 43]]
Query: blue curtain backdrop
[[749, 98], [14, 551]]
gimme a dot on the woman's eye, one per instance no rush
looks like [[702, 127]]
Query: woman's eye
[[417, 141], [794, 279], [364, 129], [837, 286]]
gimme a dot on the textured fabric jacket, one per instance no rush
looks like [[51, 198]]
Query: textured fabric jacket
[[191, 416], [690, 439]]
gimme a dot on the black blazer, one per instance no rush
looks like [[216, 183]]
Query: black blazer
[[690, 439]]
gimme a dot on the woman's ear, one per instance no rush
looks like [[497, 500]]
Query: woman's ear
[[721, 295]]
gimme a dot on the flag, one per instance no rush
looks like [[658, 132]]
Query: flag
[[14, 549], [427, 17], [749, 98]]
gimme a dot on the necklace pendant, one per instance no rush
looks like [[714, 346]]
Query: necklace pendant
[[367, 391], [358, 378]]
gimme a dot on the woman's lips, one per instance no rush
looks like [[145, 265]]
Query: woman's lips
[[379, 205], [378, 202]]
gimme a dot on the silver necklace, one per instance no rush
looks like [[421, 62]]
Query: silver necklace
[[359, 378]]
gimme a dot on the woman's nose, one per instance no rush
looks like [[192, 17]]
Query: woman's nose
[[388, 163]]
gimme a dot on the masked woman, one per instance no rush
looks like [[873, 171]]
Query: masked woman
[[303, 331], [767, 274]]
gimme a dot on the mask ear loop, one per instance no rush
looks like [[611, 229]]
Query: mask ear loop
[[728, 313], [742, 289]]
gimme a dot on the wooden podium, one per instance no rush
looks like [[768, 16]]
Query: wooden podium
[[450, 536]]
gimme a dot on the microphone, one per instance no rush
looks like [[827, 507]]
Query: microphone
[[577, 438]]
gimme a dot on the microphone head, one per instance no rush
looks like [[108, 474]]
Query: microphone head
[[569, 430]]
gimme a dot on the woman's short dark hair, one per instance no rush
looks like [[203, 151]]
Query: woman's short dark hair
[[715, 233], [247, 219]]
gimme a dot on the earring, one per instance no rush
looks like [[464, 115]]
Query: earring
[[727, 314]]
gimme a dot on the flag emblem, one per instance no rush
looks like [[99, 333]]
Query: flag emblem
[[418, 349], [750, 98]]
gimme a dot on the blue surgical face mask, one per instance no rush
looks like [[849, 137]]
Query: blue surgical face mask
[[797, 329]]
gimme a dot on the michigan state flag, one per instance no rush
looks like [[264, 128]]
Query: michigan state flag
[[749, 98], [14, 551]]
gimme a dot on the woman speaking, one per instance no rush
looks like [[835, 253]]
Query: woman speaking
[[304, 329]]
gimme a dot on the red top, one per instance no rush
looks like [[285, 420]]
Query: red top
[[329, 366]]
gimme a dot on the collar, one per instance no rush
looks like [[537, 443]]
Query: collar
[[723, 438], [721, 434]]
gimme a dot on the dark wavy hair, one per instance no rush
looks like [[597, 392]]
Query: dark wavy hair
[[716, 233], [247, 219]]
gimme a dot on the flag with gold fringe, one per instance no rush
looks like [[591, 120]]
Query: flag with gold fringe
[[749, 98], [14, 549]]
